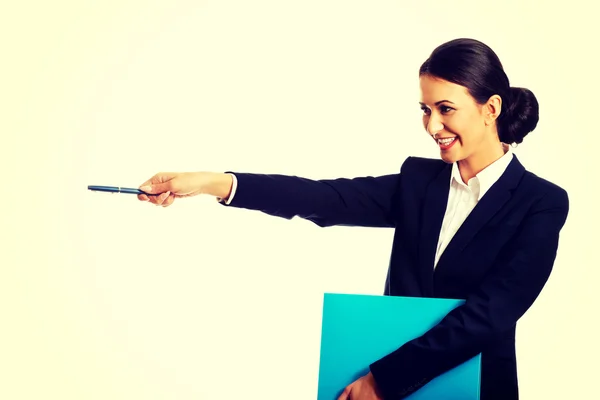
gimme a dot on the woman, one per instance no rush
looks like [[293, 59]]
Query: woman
[[475, 225]]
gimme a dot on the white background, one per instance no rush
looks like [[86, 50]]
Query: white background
[[103, 297]]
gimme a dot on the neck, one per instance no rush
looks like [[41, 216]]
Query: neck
[[471, 166]]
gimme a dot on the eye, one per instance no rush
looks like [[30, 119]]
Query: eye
[[426, 110], [445, 109]]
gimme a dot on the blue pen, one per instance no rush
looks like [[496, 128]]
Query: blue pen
[[116, 189]]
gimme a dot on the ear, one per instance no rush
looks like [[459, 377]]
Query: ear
[[491, 109]]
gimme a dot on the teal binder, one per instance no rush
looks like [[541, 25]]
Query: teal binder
[[359, 329]]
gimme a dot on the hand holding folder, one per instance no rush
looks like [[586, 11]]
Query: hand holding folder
[[359, 329]]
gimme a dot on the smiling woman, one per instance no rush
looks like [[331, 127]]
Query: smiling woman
[[469, 106], [475, 225]]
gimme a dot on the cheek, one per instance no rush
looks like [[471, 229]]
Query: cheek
[[465, 128], [452, 125]]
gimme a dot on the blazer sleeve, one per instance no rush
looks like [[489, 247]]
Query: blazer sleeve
[[362, 201], [511, 287]]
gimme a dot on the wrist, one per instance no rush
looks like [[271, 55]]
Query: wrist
[[373, 383], [217, 184]]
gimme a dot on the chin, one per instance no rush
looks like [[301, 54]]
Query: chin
[[448, 158]]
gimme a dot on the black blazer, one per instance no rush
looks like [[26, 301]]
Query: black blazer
[[498, 261]]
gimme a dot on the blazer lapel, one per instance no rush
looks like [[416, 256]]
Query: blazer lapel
[[434, 208], [488, 206]]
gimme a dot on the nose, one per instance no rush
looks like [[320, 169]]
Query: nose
[[434, 125]]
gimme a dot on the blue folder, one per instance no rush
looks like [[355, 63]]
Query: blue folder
[[360, 329]]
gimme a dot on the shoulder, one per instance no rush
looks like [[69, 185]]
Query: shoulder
[[543, 197], [422, 167], [548, 193]]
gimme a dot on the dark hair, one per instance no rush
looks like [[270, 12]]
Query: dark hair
[[474, 65]]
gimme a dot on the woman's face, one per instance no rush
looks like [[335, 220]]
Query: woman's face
[[459, 124]]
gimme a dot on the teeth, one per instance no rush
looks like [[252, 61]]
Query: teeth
[[446, 141]]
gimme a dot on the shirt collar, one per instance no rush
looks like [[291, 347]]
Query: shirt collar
[[489, 175]]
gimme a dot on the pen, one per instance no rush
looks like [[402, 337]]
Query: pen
[[115, 189]]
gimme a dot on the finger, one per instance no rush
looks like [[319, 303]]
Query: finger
[[169, 200], [158, 199], [156, 188], [151, 198], [345, 394], [161, 198], [145, 185], [142, 197]]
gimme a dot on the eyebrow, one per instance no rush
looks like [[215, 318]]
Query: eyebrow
[[439, 102]]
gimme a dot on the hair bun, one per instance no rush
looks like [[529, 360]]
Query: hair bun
[[521, 116]]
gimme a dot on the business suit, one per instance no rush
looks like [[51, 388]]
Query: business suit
[[498, 260]]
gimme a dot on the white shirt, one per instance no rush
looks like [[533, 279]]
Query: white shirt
[[462, 198], [233, 189]]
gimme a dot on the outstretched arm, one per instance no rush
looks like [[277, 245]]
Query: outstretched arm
[[363, 201]]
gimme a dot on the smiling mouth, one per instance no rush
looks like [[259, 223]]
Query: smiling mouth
[[445, 143]]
